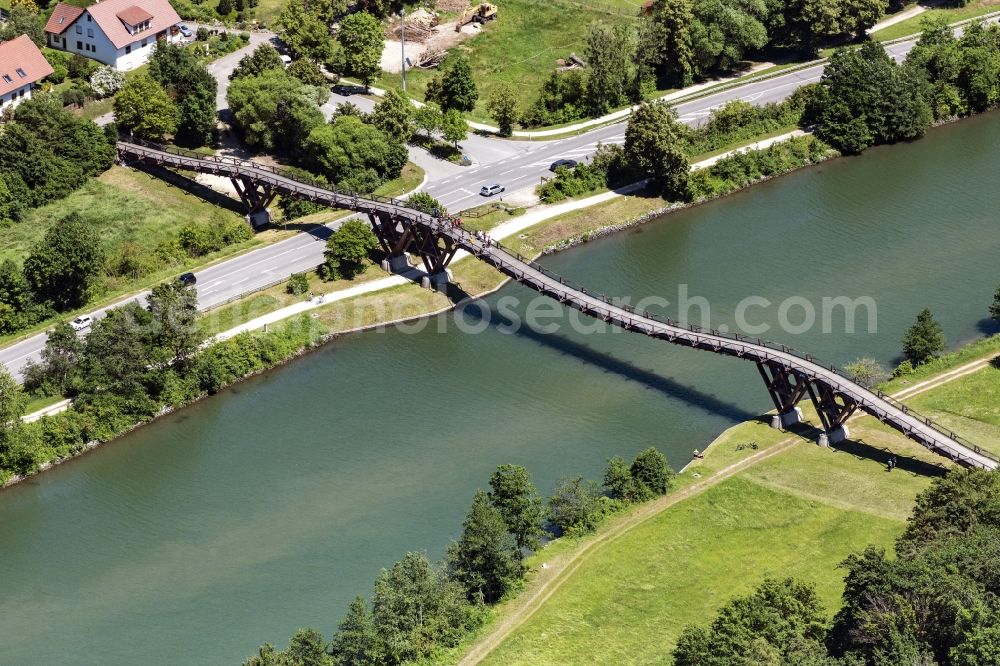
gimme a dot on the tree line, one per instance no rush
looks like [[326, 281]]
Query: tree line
[[933, 601], [865, 98], [417, 607], [135, 362]]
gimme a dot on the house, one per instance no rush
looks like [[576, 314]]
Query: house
[[120, 33], [22, 65]]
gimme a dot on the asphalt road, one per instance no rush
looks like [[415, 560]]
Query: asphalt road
[[513, 164]]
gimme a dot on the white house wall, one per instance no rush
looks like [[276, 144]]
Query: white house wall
[[104, 51], [22, 94]]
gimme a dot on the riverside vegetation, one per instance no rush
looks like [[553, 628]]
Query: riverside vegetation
[[418, 608], [864, 99]]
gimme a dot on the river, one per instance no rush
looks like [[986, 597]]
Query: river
[[268, 507]]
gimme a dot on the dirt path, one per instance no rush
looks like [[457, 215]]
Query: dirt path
[[556, 572]]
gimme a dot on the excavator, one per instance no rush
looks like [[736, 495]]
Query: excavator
[[480, 13]]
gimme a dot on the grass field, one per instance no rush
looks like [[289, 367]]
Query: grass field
[[798, 512], [951, 15], [522, 45]]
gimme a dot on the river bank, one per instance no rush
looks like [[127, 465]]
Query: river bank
[[239, 519], [580, 584]]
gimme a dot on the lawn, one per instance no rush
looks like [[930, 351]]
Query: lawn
[[970, 406], [630, 600], [522, 45], [951, 15], [130, 209]]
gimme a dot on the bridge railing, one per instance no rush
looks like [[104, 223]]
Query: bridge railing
[[759, 342], [257, 166], [443, 223]]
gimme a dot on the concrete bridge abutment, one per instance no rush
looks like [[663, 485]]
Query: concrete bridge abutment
[[787, 419]]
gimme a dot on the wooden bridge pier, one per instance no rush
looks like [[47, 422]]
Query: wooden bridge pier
[[401, 235], [256, 196], [787, 387]]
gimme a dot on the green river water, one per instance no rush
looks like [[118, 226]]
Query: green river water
[[268, 507]]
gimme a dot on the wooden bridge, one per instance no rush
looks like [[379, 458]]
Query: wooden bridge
[[788, 375]]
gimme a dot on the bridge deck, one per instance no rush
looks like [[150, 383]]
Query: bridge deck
[[530, 274]]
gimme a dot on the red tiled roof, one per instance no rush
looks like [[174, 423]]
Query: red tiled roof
[[134, 15], [106, 15], [62, 18], [21, 62]]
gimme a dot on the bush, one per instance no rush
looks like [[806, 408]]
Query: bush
[[202, 34], [106, 81], [298, 284]]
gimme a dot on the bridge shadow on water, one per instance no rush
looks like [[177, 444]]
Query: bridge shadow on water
[[668, 387]]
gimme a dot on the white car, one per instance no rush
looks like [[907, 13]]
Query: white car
[[82, 322], [490, 190]]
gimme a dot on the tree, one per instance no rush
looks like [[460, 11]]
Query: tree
[[106, 81], [458, 89], [59, 371], [361, 38], [117, 353], [725, 31], [347, 250], [15, 297], [428, 118], [669, 37], [353, 154], [393, 114], [924, 340], [425, 203], [619, 482], [307, 72], [308, 648], [485, 559], [866, 371], [980, 648], [575, 505], [65, 264], [143, 108], [779, 617], [12, 402], [224, 7], [175, 312], [650, 470], [305, 31], [414, 606], [994, 306], [502, 106], [356, 642], [263, 58], [273, 111], [23, 21], [611, 60], [654, 147], [192, 88], [516, 498], [454, 127]]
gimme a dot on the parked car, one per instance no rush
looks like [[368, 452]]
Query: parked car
[[82, 322], [569, 164], [285, 60], [490, 190], [347, 89], [186, 31], [187, 279]]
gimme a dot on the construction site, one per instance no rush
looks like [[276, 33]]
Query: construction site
[[424, 39]]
